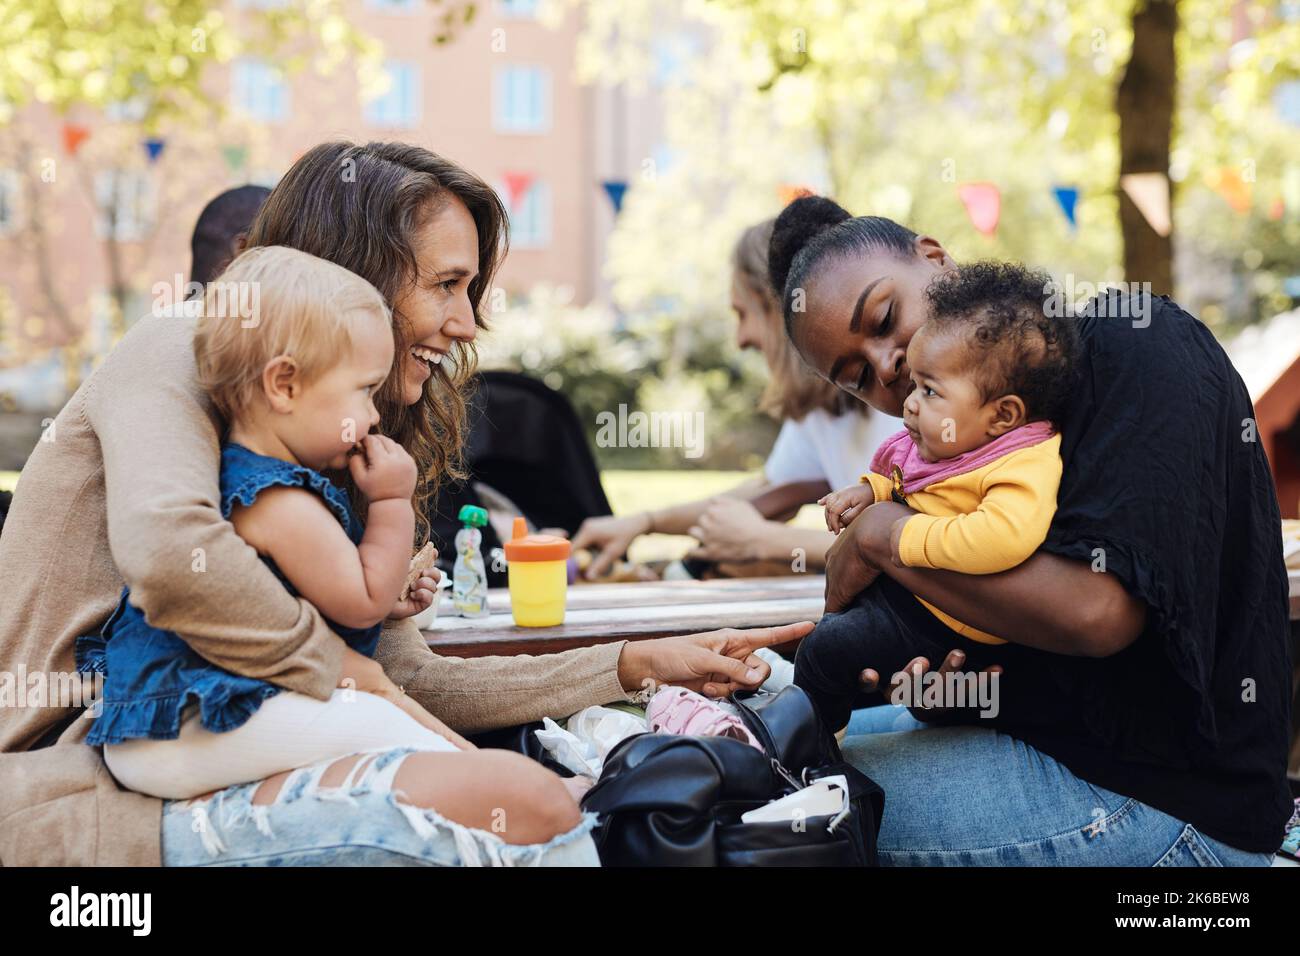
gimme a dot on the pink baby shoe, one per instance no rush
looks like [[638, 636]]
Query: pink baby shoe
[[676, 710]]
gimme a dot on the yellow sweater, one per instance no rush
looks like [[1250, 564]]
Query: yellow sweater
[[982, 522]]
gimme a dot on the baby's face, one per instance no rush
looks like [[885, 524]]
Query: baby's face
[[944, 413], [337, 410]]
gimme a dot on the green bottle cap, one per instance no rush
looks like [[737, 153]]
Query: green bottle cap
[[472, 516]]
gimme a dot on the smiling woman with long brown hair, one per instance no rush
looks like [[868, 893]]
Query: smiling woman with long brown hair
[[134, 473], [326, 205]]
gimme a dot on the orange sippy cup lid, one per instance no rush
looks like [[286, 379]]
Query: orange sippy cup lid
[[535, 547]]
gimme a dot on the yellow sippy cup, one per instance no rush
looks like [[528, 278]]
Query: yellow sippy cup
[[537, 566]]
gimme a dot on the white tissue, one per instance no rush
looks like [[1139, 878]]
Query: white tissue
[[590, 735]]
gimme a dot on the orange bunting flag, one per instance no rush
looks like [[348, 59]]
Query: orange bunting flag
[[1227, 182], [74, 135]]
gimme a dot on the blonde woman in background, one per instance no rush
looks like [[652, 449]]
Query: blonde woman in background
[[825, 436]]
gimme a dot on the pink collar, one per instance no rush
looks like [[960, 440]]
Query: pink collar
[[899, 450]]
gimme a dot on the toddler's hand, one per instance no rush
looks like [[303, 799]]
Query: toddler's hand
[[382, 469], [423, 593], [846, 504]]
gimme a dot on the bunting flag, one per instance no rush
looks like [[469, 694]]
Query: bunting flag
[[517, 186], [235, 156], [1227, 182], [73, 136], [1067, 197], [983, 202], [614, 189], [789, 193], [1150, 193], [153, 148]]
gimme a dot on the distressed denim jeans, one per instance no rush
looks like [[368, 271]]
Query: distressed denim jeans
[[361, 822], [971, 796]]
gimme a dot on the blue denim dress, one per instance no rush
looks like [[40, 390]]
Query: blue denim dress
[[151, 674]]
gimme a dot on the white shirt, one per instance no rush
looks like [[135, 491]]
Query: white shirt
[[834, 448]]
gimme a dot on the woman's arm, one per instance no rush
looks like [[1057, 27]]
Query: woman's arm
[[1048, 602], [612, 535], [482, 693], [731, 530], [187, 568]]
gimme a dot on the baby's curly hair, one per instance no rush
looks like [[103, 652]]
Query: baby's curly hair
[[1019, 343]]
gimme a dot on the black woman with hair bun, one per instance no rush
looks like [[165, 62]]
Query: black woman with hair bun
[[1143, 714]]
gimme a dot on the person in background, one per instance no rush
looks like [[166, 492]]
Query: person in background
[[825, 436], [220, 230]]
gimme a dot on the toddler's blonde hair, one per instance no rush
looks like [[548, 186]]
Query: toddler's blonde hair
[[273, 300]]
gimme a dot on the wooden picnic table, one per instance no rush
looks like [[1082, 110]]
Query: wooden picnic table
[[599, 613]]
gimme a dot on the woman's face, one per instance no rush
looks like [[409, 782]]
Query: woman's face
[[754, 320], [436, 305], [859, 318]]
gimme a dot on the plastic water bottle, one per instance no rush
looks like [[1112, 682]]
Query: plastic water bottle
[[469, 583]]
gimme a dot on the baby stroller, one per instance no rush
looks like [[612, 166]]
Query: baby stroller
[[526, 448]]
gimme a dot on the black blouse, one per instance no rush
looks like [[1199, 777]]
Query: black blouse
[[1166, 487]]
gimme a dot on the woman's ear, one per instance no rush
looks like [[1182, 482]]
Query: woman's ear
[[281, 383], [929, 249], [1008, 413]]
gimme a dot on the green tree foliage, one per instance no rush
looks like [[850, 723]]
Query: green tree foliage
[[99, 52], [902, 101]]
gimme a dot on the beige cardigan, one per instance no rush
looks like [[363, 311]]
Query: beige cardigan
[[124, 487]]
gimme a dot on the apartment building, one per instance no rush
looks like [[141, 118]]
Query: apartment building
[[501, 98]]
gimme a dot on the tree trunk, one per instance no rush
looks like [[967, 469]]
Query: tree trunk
[[1145, 103]]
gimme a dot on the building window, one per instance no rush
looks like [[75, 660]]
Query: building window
[[125, 204], [130, 110], [10, 199], [264, 177], [259, 90], [522, 99], [518, 9], [400, 105], [530, 219]]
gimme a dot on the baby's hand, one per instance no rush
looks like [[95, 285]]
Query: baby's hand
[[382, 469], [846, 504], [424, 591]]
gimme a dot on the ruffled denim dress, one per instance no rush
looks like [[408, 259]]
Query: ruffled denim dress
[[151, 674]]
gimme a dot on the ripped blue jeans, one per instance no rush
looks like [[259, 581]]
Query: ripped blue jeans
[[361, 822]]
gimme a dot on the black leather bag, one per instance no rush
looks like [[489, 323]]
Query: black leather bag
[[668, 800]]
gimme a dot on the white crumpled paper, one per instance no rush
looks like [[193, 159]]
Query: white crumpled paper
[[588, 738]]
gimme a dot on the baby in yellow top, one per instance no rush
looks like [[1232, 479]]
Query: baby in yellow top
[[978, 459]]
